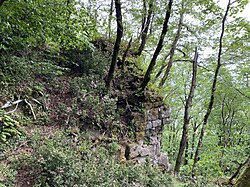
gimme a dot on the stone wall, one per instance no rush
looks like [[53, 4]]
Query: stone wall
[[149, 127]]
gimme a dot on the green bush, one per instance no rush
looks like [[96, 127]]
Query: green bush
[[57, 161], [90, 106], [7, 176], [8, 127], [20, 73]]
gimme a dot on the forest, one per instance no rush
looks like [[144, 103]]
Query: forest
[[134, 93]]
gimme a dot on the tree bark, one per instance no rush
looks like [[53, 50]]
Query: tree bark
[[145, 29], [1, 2], [144, 15], [146, 78], [110, 18], [172, 50], [245, 175], [117, 43], [211, 102], [188, 106]]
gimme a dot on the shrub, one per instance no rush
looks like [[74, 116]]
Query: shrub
[[7, 176], [60, 162], [90, 106], [8, 127]]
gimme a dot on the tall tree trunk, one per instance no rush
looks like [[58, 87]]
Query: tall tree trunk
[[110, 18], [145, 29], [188, 106], [144, 15], [211, 102], [186, 152], [146, 78], [117, 43], [1, 2], [151, 24], [194, 127], [172, 50], [243, 179]]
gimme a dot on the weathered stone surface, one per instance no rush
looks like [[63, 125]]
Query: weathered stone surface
[[141, 160], [140, 136], [154, 113], [157, 104], [133, 151], [145, 151], [149, 125], [157, 123], [148, 128], [162, 160]]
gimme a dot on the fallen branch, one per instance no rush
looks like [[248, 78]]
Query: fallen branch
[[9, 103], [31, 108]]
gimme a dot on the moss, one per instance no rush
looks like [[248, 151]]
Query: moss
[[243, 180], [140, 136]]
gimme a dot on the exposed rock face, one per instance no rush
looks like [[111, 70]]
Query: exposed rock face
[[145, 117], [149, 125]]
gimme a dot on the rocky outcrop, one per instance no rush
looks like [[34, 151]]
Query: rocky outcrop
[[149, 126], [145, 117]]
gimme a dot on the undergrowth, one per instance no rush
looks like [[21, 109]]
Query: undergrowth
[[59, 161]]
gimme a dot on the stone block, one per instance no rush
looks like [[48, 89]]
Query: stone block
[[147, 133], [154, 140], [141, 160], [162, 160], [157, 104], [157, 123], [132, 151], [154, 112], [149, 125], [145, 151]]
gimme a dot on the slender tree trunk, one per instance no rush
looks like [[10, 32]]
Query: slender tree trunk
[[117, 43], [188, 106], [195, 127], [186, 152], [146, 78], [110, 18], [192, 144], [245, 175], [211, 102], [145, 29], [172, 51], [151, 24], [144, 15], [1, 2]]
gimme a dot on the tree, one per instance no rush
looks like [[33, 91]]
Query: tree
[[117, 43], [172, 50], [110, 18], [146, 78], [145, 26], [1, 2], [188, 105], [213, 89]]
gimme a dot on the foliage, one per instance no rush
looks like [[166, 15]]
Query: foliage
[[7, 175], [38, 39], [19, 73], [38, 22], [60, 162], [90, 105], [8, 127]]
